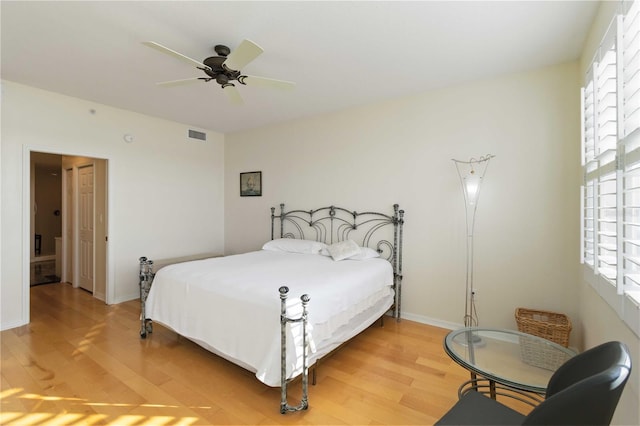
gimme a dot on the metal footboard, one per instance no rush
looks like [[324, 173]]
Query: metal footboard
[[146, 276], [284, 320]]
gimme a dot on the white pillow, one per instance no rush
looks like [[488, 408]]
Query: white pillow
[[291, 245], [365, 253], [343, 250]]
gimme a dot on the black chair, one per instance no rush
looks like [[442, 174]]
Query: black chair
[[584, 391]]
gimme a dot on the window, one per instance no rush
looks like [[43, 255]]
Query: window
[[610, 195]]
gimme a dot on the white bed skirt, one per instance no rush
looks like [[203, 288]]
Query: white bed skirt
[[345, 333]]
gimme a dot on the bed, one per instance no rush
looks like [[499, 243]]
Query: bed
[[325, 276]]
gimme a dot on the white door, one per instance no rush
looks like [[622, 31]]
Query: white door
[[68, 255], [85, 178]]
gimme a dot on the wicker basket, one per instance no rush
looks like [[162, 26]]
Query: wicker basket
[[548, 325]]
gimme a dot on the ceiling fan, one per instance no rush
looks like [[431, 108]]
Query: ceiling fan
[[224, 69]]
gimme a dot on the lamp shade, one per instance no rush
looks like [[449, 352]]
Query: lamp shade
[[472, 187]]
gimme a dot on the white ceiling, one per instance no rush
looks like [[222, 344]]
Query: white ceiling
[[340, 54]]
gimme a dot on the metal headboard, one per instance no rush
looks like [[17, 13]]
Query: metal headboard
[[329, 225]]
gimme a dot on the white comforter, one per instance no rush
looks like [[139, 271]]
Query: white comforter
[[231, 305]]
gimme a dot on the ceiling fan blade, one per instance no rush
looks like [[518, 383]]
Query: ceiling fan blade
[[166, 50], [251, 80], [180, 82], [246, 52], [233, 94]]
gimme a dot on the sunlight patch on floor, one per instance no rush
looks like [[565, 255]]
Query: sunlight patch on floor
[[12, 417], [50, 419], [89, 337]]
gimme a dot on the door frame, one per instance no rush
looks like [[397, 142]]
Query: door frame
[[26, 222]]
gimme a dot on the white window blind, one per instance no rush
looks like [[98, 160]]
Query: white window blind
[[588, 224], [630, 141], [606, 223], [631, 214], [631, 68], [599, 145], [588, 124], [607, 99]]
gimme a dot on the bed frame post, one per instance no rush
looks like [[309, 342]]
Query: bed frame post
[[273, 218], [398, 221], [146, 277], [401, 244], [281, 220], [304, 402]]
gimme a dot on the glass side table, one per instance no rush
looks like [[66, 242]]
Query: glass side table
[[509, 363]]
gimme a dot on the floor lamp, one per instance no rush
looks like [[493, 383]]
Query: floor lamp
[[471, 174]]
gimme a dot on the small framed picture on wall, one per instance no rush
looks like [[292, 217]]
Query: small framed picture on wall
[[251, 184]]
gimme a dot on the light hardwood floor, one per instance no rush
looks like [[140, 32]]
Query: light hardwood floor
[[80, 361]]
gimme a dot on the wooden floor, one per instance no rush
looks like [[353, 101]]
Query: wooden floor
[[80, 361]]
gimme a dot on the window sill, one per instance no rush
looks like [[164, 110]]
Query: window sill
[[634, 295]]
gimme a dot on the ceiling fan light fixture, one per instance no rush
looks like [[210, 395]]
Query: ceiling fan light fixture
[[222, 79], [224, 68]]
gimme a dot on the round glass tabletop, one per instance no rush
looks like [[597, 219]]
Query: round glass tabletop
[[518, 360]]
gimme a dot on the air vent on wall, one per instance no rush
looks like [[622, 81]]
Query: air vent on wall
[[194, 134]]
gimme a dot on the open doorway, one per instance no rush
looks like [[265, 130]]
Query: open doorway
[[72, 248], [46, 218]]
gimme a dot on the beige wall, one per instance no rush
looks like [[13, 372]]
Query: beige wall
[[165, 190], [400, 151]]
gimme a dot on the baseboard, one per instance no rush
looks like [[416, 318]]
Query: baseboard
[[100, 296], [431, 321], [126, 298], [13, 324]]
